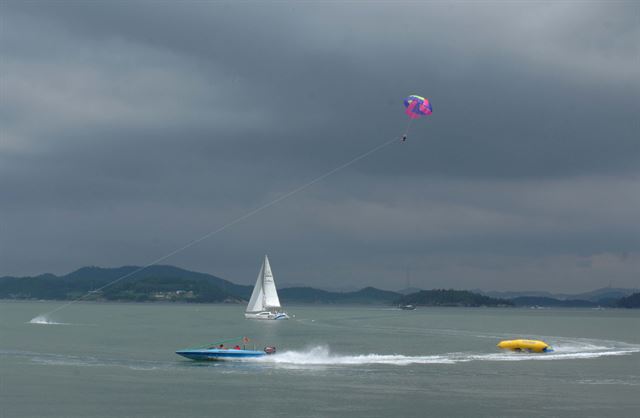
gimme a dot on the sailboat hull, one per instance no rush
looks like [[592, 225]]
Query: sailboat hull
[[266, 315]]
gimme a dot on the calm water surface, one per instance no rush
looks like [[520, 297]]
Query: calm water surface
[[117, 360]]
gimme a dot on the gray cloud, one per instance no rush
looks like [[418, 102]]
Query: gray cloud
[[129, 129]]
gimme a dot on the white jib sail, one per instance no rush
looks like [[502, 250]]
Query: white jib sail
[[256, 303]]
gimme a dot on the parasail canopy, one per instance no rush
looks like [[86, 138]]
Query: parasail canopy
[[417, 106]]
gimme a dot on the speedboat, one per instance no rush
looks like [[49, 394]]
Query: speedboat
[[407, 307], [531, 346], [217, 354]]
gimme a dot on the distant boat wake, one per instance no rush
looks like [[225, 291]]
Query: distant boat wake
[[44, 320]]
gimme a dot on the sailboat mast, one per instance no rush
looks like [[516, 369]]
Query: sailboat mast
[[264, 273]]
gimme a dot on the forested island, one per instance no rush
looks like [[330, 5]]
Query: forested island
[[631, 301], [450, 297]]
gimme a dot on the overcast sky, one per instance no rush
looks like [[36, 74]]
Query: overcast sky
[[128, 129]]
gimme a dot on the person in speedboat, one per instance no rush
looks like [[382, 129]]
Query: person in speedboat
[[220, 347]]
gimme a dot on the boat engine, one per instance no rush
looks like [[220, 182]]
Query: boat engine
[[270, 349]]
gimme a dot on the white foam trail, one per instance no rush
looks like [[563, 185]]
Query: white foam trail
[[607, 382], [73, 361], [321, 356], [44, 320], [543, 356]]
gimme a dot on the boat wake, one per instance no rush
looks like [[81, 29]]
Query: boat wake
[[138, 365], [321, 356], [44, 320], [51, 359]]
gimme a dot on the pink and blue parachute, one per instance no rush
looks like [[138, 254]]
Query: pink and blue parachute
[[417, 106]]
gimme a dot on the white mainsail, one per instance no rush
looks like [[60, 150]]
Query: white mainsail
[[271, 300], [264, 301]]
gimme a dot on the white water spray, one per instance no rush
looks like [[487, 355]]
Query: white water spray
[[45, 320]]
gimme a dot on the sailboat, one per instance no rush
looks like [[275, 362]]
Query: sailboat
[[264, 302]]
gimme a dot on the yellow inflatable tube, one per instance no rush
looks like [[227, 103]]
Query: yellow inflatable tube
[[532, 346]]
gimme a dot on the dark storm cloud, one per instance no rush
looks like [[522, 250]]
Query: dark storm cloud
[[131, 128]]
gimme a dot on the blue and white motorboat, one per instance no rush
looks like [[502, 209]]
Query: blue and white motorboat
[[217, 354]]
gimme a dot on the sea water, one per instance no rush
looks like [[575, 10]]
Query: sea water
[[118, 360]]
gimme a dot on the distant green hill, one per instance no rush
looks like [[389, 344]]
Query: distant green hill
[[166, 283], [606, 296], [442, 297], [598, 295], [169, 283], [631, 301], [552, 302], [153, 283]]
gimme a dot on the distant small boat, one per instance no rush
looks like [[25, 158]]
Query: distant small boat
[[407, 307], [532, 346], [264, 302], [217, 354]]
